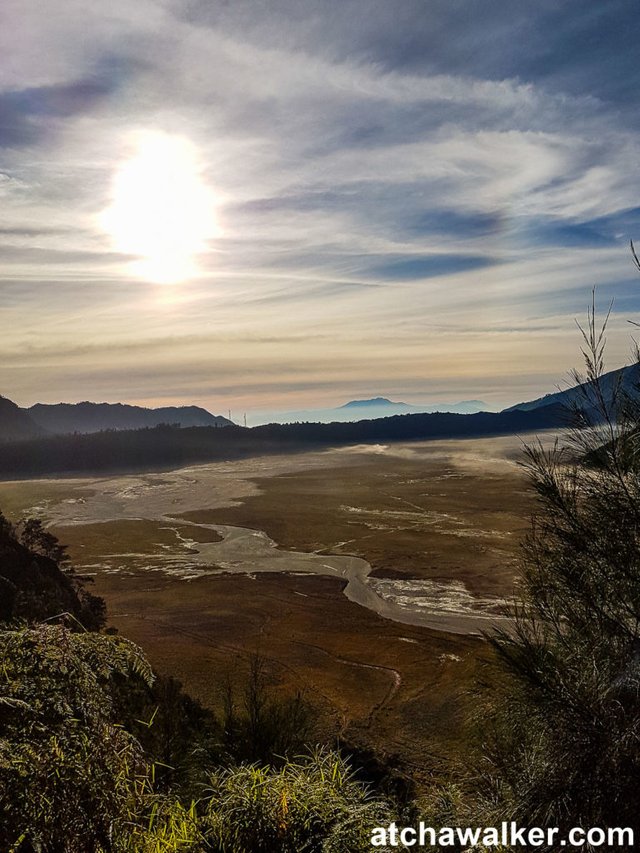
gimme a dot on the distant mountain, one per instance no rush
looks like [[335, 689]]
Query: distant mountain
[[374, 401], [371, 409], [15, 423], [164, 448], [629, 377], [87, 417]]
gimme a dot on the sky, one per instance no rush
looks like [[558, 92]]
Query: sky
[[287, 204]]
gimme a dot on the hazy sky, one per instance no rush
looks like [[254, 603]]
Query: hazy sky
[[291, 203]]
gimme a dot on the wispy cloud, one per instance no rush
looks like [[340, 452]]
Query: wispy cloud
[[413, 197]]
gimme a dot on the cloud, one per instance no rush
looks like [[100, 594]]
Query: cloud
[[421, 187], [429, 266], [28, 114]]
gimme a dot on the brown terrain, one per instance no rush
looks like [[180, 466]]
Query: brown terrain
[[440, 511]]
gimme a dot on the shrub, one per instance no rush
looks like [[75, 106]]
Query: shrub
[[565, 747], [313, 804], [70, 776]]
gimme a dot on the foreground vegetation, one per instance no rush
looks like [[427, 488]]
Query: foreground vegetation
[[74, 778], [565, 718]]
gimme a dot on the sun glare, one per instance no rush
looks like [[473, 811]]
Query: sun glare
[[161, 210]]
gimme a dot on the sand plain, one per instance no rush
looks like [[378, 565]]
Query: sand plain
[[436, 524]]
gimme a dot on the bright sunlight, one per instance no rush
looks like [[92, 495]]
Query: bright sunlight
[[161, 209]]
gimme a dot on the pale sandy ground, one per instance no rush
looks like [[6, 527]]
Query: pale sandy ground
[[443, 605]]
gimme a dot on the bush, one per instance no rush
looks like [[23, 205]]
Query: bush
[[565, 747], [313, 804], [70, 777], [265, 727]]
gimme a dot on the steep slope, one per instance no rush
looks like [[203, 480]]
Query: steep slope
[[628, 376], [15, 423], [33, 586], [87, 417]]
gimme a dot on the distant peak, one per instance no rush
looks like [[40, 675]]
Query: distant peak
[[374, 401]]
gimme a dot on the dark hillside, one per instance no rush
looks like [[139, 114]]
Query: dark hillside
[[165, 447], [94, 417], [34, 586], [15, 423], [626, 379]]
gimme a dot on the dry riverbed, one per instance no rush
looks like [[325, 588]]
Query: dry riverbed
[[337, 566]]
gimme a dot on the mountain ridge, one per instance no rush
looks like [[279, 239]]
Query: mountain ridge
[[628, 377], [16, 423], [88, 417]]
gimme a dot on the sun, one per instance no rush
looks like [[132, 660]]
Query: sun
[[161, 209]]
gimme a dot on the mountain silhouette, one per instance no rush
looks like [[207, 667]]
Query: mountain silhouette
[[88, 417], [15, 423], [626, 379]]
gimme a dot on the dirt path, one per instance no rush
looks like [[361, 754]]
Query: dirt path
[[396, 678]]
